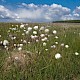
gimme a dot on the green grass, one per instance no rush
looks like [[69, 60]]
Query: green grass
[[40, 64]]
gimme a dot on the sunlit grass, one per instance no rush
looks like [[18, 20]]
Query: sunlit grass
[[54, 55]]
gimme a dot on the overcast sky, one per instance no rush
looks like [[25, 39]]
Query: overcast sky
[[39, 10]]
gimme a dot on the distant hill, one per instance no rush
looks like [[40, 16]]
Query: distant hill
[[67, 21]]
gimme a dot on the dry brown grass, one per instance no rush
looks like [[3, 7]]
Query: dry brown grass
[[19, 59]]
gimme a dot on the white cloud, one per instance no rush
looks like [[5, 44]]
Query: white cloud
[[76, 13], [77, 10], [44, 12], [6, 14], [39, 13], [67, 17]]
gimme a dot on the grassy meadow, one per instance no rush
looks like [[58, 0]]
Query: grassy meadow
[[39, 51]]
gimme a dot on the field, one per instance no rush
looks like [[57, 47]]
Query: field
[[39, 51]]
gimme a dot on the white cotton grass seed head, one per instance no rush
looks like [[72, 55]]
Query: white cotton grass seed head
[[9, 57], [23, 34], [20, 48], [29, 42], [16, 58], [46, 34], [8, 31], [27, 32], [1, 42], [20, 45], [13, 37], [5, 46], [66, 46], [24, 30], [62, 44], [57, 56], [46, 49], [24, 55], [12, 25], [37, 40], [56, 37], [74, 32], [17, 25], [49, 35], [24, 41], [46, 30], [53, 46], [15, 45], [56, 42], [42, 28], [32, 37], [35, 36], [54, 32], [29, 28], [35, 27], [13, 29], [0, 35], [26, 24], [34, 32], [5, 42], [44, 43], [22, 26], [44, 39], [42, 35], [76, 53], [21, 39]]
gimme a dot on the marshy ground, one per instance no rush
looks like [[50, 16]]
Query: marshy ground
[[39, 51]]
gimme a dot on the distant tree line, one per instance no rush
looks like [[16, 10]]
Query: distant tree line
[[67, 21]]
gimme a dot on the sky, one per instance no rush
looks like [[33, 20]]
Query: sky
[[39, 10]]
